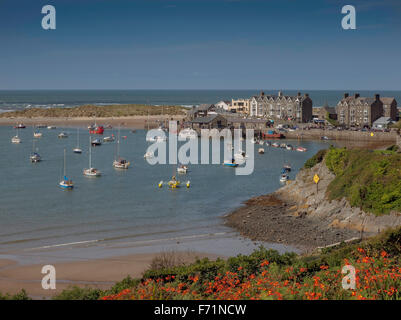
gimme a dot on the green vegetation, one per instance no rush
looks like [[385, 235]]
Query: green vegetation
[[370, 180], [266, 274], [331, 121], [22, 295], [317, 158], [97, 111]]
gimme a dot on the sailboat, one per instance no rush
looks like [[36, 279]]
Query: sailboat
[[16, 139], [77, 149], [91, 172], [36, 133], [66, 183], [120, 163], [34, 157]]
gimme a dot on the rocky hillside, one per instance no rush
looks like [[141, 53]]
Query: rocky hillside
[[364, 180]]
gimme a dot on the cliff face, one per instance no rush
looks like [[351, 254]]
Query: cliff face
[[313, 203]]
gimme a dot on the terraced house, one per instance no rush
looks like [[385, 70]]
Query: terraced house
[[357, 111], [290, 108]]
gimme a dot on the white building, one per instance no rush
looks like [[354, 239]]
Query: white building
[[223, 105]]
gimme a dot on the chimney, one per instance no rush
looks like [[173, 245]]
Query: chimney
[[262, 93], [377, 96], [280, 93], [346, 95], [306, 95], [298, 94], [356, 95]]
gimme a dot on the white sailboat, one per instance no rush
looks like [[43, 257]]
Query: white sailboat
[[120, 163], [77, 149], [66, 183], [34, 157], [91, 172], [16, 139]]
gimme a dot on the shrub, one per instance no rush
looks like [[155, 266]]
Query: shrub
[[317, 158], [77, 293]]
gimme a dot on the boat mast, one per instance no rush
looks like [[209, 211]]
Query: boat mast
[[90, 152], [118, 143], [77, 137], [64, 163]]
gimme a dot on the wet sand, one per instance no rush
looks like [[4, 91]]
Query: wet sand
[[100, 273]]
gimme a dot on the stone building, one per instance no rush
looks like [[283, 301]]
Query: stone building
[[357, 111], [390, 108], [321, 113], [292, 108]]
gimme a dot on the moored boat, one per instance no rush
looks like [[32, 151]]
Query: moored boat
[[301, 149], [66, 183], [96, 142], [289, 147], [62, 135], [284, 177], [16, 139], [182, 169], [95, 129], [275, 145], [35, 157], [261, 150], [231, 163]]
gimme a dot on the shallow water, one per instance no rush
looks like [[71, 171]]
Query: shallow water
[[121, 207]]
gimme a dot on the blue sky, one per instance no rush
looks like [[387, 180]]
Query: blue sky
[[200, 44]]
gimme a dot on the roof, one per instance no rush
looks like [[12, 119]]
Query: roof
[[206, 119], [204, 107], [383, 120], [387, 100]]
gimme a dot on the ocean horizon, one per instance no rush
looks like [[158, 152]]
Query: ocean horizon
[[11, 100]]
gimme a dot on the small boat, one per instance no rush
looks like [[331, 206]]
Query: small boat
[[119, 163], [16, 139], [66, 183], [109, 139], [182, 169], [231, 163], [187, 133], [289, 147], [91, 172], [37, 134], [261, 142], [148, 155], [62, 135], [301, 149], [287, 167], [173, 183], [268, 143], [284, 177], [95, 129], [272, 135], [77, 149], [261, 150], [133, 131], [254, 141], [51, 127], [20, 126], [283, 146], [325, 138], [275, 145], [96, 142], [35, 157]]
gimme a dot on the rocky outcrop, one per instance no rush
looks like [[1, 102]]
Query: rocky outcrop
[[312, 202]]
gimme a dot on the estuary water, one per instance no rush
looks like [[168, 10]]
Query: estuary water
[[121, 207]]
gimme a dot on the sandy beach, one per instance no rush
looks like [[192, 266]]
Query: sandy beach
[[98, 273], [135, 122]]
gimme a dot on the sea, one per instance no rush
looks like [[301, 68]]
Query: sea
[[124, 212], [22, 99]]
